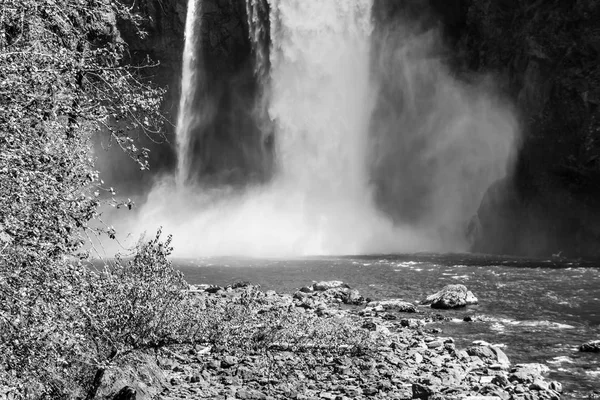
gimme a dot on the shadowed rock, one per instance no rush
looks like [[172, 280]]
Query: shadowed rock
[[590, 347], [127, 393]]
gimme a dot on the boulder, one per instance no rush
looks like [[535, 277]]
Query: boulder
[[127, 393], [491, 353], [137, 374], [527, 373], [394, 305], [451, 296], [590, 347]]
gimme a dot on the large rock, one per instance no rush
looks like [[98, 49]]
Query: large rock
[[527, 373], [491, 353], [136, 375], [394, 305], [591, 347], [451, 296]]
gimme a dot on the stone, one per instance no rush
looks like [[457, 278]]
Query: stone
[[229, 361], [539, 384], [138, 371], [394, 304], [421, 391], [493, 354], [126, 393], [556, 386], [451, 296], [250, 394], [242, 284], [213, 289], [411, 323], [326, 285], [418, 358], [527, 373], [592, 346], [306, 289]]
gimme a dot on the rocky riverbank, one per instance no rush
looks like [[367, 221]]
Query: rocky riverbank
[[323, 342]]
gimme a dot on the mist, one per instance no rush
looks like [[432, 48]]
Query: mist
[[377, 147], [438, 142]]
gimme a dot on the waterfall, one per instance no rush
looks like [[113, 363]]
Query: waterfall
[[186, 117], [354, 133]]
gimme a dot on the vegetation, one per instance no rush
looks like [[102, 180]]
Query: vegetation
[[64, 76]]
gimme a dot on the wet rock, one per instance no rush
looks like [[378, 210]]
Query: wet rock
[[213, 289], [243, 284], [556, 386], [326, 285], [590, 347], [127, 393], [394, 304], [451, 296], [421, 391], [411, 323]]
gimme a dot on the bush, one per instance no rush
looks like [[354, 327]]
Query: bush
[[62, 323], [62, 79]]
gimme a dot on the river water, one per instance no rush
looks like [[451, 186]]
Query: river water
[[541, 310]]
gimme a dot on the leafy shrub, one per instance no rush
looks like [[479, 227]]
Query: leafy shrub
[[62, 322], [63, 78]]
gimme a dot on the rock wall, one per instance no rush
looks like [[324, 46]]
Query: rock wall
[[229, 146], [547, 54], [545, 57]]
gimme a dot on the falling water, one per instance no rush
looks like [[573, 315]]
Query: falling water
[[186, 117], [319, 94]]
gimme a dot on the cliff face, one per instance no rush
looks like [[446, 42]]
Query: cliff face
[[548, 53], [229, 146], [545, 56]]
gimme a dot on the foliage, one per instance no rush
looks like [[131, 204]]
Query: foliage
[[139, 303], [64, 76], [252, 321], [61, 323]]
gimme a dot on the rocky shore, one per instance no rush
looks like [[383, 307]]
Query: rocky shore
[[323, 342]]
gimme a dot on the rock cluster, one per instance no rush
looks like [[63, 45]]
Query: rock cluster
[[451, 296], [400, 358]]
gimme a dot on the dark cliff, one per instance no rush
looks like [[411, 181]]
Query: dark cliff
[[548, 53], [545, 56], [231, 146]]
